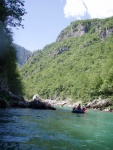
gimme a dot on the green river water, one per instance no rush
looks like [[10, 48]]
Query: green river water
[[30, 129]]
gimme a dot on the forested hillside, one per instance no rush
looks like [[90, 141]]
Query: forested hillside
[[79, 65]]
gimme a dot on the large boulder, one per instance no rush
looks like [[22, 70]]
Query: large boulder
[[36, 97], [37, 103], [3, 103]]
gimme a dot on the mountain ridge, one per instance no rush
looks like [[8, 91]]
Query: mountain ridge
[[79, 28], [78, 67]]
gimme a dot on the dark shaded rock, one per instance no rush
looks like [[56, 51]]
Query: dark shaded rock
[[106, 33], [21, 104], [11, 100], [9, 94], [111, 109], [3, 103], [38, 104], [8, 99]]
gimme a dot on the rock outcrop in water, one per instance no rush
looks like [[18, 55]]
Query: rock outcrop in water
[[8, 99], [99, 104], [39, 104]]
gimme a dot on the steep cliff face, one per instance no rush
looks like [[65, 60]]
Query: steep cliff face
[[22, 54], [73, 30], [79, 28]]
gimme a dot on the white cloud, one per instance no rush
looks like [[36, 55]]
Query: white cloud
[[92, 8], [74, 8]]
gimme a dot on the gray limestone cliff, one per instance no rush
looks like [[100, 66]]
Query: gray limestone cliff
[[22, 54], [81, 27]]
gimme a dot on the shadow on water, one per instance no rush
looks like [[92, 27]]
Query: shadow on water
[[30, 129]]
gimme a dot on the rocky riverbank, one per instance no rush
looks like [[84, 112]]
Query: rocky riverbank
[[97, 104], [100, 104], [8, 99]]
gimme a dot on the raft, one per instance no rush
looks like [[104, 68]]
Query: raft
[[78, 111]]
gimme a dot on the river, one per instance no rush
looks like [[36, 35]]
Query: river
[[31, 129]]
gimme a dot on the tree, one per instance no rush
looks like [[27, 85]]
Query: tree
[[11, 12], [13, 75]]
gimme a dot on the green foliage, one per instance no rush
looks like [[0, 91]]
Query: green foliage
[[11, 12], [83, 71], [13, 75]]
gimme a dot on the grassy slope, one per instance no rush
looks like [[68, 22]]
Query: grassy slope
[[84, 71]]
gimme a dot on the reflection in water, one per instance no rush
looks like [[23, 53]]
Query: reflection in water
[[30, 129]]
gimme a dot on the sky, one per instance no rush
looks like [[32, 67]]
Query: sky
[[45, 19]]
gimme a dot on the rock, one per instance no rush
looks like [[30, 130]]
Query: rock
[[22, 54], [106, 33], [88, 105], [111, 109], [76, 31], [59, 102], [23, 104], [59, 51], [20, 102], [98, 104], [102, 104], [62, 49], [36, 97], [37, 104], [108, 109], [4, 103], [12, 101], [9, 94]]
